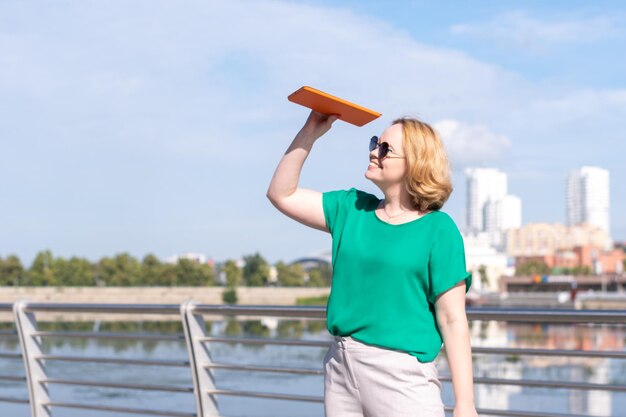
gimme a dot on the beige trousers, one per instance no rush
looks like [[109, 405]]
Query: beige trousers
[[367, 381]]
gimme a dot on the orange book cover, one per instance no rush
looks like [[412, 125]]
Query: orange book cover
[[325, 103]]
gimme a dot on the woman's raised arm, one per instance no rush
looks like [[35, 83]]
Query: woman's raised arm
[[298, 203]]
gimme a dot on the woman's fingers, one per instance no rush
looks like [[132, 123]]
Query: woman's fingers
[[317, 123]]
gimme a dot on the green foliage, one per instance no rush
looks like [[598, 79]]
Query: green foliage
[[40, 273], [229, 296], [73, 272], [316, 326], [233, 327], [234, 274], [312, 301], [290, 275], [11, 271], [482, 271], [576, 271], [255, 328], [532, 268], [290, 329], [193, 274], [153, 272], [122, 270], [256, 272], [320, 276]]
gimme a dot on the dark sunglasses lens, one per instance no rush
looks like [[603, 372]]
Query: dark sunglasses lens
[[373, 143], [383, 150]]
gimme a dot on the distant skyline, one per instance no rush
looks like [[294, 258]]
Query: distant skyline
[[155, 126]]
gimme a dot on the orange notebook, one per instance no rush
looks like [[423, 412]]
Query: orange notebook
[[327, 104]]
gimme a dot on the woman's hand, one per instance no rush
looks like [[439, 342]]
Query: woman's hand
[[317, 124]]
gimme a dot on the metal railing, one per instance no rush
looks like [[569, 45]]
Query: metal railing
[[203, 385]]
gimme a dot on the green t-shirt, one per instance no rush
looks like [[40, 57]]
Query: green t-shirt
[[386, 277]]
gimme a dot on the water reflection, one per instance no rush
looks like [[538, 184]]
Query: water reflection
[[550, 368]]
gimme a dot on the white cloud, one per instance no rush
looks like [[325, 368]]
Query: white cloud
[[471, 144], [522, 30]]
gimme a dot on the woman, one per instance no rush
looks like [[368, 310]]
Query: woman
[[399, 277]]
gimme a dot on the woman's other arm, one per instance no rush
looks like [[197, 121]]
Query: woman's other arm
[[452, 320], [298, 203]]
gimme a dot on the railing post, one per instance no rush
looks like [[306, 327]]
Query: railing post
[[199, 357], [35, 368]]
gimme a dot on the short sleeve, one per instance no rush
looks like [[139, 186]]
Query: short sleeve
[[446, 265], [336, 204]]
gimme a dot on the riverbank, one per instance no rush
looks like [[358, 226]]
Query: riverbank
[[157, 295], [150, 295]]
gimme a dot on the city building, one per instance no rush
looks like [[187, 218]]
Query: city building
[[543, 239], [489, 208], [589, 259], [483, 185], [501, 215], [587, 197]]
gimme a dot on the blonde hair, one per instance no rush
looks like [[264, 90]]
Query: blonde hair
[[428, 178]]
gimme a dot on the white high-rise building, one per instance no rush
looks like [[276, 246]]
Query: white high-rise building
[[503, 214], [588, 199], [483, 185]]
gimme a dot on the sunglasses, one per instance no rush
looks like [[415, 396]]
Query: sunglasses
[[383, 149]]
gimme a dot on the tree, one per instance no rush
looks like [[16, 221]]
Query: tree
[[191, 273], [40, 272], [581, 270], [290, 275], [73, 272], [234, 274], [315, 279], [320, 276], [122, 270], [11, 271], [229, 296], [152, 271], [256, 271], [532, 268], [482, 271]]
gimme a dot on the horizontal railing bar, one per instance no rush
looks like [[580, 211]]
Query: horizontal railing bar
[[256, 368], [120, 409], [142, 362], [12, 378], [14, 400], [544, 384], [111, 335], [265, 341], [6, 307], [519, 413], [316, 312], [551, 352], [255, 394], [547, 316], [319, 312], [5, 333], [11, 355], [104, 308], [167, 388]]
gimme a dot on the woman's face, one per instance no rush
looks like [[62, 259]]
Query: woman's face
[[391, 169]]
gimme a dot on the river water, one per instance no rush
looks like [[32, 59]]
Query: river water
[[567, 401]]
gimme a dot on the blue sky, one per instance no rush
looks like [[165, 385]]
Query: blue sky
[[155, 126]]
